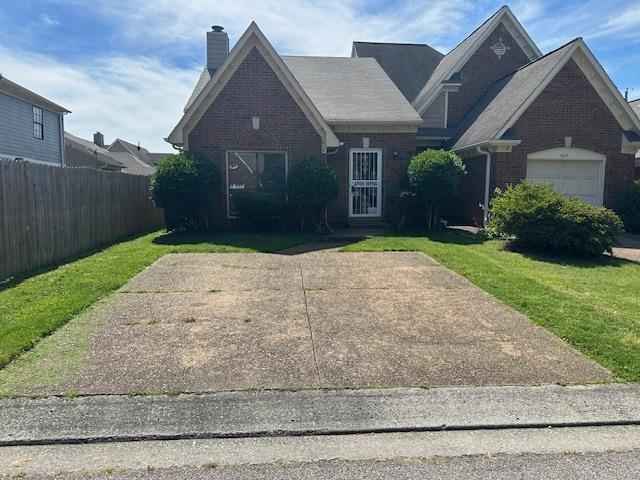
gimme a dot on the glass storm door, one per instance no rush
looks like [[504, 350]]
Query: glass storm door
[[365, 178]]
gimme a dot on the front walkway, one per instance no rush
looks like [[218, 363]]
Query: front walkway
[[213, 322]]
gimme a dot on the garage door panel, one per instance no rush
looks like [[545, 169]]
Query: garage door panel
[[573, 178]]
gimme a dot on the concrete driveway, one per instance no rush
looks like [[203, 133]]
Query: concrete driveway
[[211, 322]]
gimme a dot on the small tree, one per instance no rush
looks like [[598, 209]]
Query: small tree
[[311, 185], [185, 185], [434, 176]]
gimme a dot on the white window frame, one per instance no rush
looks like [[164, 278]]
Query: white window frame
[[226, 169], [379, 189]]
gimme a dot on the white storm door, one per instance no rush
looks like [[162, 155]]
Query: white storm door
[[365, 180]]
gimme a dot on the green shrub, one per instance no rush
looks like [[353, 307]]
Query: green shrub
[[311, 185], [185, 185], [434, 176], [629, 208], [260, 211], [543, 220]]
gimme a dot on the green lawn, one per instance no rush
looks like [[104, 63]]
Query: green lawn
[[592, 304], [35, 306]]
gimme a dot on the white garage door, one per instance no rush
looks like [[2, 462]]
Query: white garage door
[[572, 171]]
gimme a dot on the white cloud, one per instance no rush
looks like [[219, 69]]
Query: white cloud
[[304, 27], [48, 20], [136, 98]]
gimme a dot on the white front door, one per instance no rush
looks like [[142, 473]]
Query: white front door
[[365, 180]]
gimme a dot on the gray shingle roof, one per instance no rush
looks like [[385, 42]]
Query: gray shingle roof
[[204, 78], [351, 90], [90, 148], [494, 110], [141, 153], [132, 165], [15, 90], [408, 65], [635, 106]]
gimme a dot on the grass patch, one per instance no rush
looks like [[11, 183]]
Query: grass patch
[[593, 304], [35, 306]]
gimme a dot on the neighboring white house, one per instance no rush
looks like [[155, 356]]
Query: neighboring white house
[[32, 127]]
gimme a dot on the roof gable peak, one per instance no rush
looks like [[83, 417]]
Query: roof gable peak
[[461, 53], [250, 39]]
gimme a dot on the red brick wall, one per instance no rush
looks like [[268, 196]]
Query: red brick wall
[[482, 70], [253, 90], [465, 207], [393, 169], [568, 107]]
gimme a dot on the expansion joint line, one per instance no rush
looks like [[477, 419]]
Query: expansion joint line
[[306, 311]]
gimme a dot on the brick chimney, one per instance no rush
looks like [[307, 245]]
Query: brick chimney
[[98, 139], [217, 47]]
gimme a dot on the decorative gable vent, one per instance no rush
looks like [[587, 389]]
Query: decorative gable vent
[[499, 48]]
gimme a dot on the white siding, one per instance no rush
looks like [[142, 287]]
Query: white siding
[[16, 131], [434, 116]]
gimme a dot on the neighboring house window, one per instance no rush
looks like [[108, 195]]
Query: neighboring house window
[[255, 172], [38, 127]]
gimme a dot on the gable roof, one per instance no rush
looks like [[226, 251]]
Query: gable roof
[[138, 152], [90, 148], [252, 38], [409, 65], [456, 58], [131, 164], [505, 102], [13, 89], [635, 106], [351, 90]]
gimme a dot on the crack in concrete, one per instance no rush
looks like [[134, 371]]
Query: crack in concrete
[[306, 312]]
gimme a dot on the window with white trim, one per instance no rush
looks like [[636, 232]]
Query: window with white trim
[[38, 123], [254, 173]]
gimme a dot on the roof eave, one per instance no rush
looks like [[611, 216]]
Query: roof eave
[[494, 145]]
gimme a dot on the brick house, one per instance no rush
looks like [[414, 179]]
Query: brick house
[[635, 106], [510, 112]]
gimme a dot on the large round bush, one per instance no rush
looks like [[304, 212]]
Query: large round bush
[[185, 185], [629, 208], [434, 176], [311, 185], [540, 219]]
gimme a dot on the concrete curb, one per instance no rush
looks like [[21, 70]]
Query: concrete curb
[[99, 419]]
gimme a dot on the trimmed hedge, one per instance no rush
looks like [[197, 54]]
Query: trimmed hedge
[[311, 185], [260, 211], [541, 219], [184, 185]]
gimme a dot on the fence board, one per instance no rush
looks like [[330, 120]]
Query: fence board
[[48, 214]]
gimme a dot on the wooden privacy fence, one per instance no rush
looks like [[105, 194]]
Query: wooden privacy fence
[[51, 213]]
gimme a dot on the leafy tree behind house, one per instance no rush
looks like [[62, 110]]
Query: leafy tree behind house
[[311, 186], [434, 176], [185, 185]]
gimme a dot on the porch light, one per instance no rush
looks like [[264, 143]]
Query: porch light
[[255, 121]]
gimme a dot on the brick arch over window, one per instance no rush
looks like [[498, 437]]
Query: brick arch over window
[[262, 138]]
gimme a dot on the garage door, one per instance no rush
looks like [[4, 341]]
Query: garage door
[[574, 172]]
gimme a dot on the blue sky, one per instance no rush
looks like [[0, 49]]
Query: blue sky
[[126, 67]]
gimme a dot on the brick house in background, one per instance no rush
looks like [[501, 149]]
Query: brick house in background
[[510, 112], [635, 106]]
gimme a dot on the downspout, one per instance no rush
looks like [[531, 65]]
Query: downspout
[[62, 146], [487, 185]]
